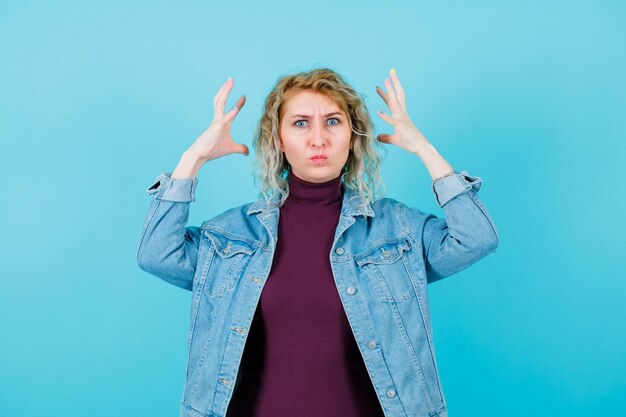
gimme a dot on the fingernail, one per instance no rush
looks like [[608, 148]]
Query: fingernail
[[393, 70], [229, 78], [378, 88]]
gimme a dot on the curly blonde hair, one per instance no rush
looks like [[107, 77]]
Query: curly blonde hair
[[362, 169]]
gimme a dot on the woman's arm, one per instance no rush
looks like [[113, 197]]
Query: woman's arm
[[467, 233], [168, 249]]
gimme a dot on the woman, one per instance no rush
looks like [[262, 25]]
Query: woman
[[312, 301]]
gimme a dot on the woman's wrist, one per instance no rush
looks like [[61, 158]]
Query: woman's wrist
[[188, 166], [436, 165]]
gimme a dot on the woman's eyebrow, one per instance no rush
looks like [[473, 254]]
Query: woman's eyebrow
[[307, 116]]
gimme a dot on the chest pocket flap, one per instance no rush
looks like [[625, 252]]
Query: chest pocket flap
[[233, 253], [385, 253], [387, 268], [227, 245]]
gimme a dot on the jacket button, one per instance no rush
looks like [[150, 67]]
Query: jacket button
[[371, 344], [351, 290], [340, 251], [391, 393]]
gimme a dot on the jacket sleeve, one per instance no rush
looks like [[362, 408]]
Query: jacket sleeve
[[167, 249], [464, 236]]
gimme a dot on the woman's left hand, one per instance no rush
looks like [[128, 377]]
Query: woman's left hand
[[406, 135]]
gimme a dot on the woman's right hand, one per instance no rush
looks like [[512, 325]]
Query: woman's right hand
[[216, 140]]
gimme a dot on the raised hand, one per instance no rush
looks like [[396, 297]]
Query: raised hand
[[216, 140], [405, 134]]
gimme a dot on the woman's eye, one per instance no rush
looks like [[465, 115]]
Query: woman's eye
[[296, 123]]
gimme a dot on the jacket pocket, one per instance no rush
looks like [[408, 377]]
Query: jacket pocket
[[230, 256], [386, 267]]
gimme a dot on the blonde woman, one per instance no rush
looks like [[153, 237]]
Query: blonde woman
[[312, 300]]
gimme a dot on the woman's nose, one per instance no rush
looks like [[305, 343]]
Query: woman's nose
[[318, 135]]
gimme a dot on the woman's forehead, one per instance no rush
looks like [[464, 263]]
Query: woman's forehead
[[310, 101]]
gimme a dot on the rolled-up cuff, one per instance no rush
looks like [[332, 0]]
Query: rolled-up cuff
[[177, 190], [447, 188]]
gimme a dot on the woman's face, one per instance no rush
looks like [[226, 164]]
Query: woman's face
[[313, 124]]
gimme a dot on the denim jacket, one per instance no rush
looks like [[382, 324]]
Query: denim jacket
[[383, 256]]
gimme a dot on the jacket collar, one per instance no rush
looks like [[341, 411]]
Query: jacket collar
[[350, 205]]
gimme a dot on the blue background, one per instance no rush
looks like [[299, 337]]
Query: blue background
[[98, 98]]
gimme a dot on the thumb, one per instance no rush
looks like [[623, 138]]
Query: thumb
[[241, 148], [384, 137]]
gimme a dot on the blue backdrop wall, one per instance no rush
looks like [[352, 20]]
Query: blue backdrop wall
[[98, 98]]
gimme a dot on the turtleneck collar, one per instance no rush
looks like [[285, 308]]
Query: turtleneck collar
[[320, 195]]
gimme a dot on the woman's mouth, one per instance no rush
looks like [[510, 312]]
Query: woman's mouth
[[319, 159]]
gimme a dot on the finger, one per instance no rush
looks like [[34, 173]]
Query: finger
[[383, 95], [221, 100], [222, 87], [220, 91], [398, 87], [393, 100], [385, 117], [233, 111]]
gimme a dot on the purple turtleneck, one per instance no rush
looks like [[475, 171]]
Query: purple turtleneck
[[301, 358]]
